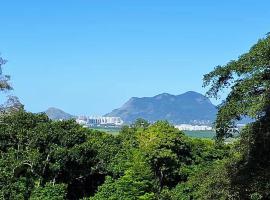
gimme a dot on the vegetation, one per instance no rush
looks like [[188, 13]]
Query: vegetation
[[249, 80], [45, 159], [194, 134], [4, 79], [12, 103]]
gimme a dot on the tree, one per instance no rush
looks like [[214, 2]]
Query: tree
[[4, 79], [166, 150], [248, 79], [206, 182], [35, 152], [136, 183], [49, 192], [12, 103], [140, 123]]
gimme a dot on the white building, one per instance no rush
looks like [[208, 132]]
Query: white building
[[97, 121], [189, 127]]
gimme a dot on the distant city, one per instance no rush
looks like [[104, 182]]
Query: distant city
[[98, 121], [189, 127], [118, 122], [92, 121], [188, 111]]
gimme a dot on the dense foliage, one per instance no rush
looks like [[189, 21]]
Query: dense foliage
[[38, 154], [248, 78], [44, 159]]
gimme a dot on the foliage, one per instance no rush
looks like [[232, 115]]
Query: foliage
[[157, 158], [49, 192], [35, 149], [4, 79], [44, 159], [165, 150], [12, 103], [136, 183], [248, 78]]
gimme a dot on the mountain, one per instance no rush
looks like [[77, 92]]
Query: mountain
[[57, 114], [190, 107]]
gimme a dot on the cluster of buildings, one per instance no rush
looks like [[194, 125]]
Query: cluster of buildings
[[92, 121], [189, 127]]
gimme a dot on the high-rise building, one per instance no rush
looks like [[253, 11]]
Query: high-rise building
[[95, 121]]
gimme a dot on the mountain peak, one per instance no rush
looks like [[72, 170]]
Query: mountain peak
[[163, 95], [185, 108], [53, 108], [192, 93], [57, 114]]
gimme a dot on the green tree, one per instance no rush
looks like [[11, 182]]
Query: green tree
[[4, 79], [248, 80], [37, 151], [136, 183], [140, 123], [206, 182], [49, 192], [12, 103], [166, 151]]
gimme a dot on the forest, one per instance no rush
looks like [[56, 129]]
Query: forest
[[41, 159]]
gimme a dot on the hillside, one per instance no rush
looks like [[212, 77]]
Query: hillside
[[57, 114], [190, 107]]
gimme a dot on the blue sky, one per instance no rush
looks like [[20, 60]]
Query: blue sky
[[90, 56]]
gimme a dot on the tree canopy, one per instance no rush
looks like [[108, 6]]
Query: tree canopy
[[4, 79], [12, 103], [248, 80], [44, 159]]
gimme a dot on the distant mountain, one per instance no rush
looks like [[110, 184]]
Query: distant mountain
[[190, 107], [57, 114]]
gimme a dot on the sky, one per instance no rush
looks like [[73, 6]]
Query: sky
[[89, 57]]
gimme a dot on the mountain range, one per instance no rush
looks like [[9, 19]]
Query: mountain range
[[190, 107]]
